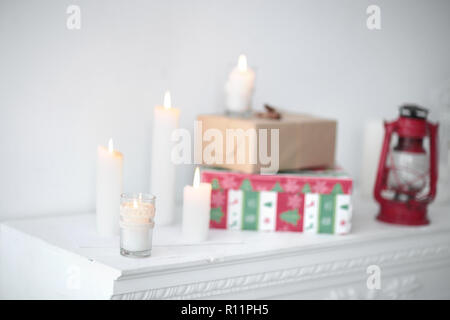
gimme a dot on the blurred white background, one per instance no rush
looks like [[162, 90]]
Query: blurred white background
[[63, 92]]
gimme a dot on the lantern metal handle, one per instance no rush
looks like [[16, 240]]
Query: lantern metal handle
[[433, 133]]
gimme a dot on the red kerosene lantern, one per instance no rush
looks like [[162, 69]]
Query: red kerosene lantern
[[407, 175]]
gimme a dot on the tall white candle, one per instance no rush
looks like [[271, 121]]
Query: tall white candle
[[196, 210], [109, 188], [371, 149], [162, 184], [239, 87]]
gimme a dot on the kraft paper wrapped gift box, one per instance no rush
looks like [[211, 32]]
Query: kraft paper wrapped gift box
[[313, 201], [305, 141]]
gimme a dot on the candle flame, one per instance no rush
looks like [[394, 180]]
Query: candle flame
[[196, 182], [135, 204], [242, 63], [110, 145], [167, 100]]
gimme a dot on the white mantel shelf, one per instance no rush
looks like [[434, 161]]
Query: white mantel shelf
[[63, 258]]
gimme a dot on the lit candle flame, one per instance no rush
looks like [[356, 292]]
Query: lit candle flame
[[196, 182], [167, 100], [110, 145], [242, 63], [135, 204]]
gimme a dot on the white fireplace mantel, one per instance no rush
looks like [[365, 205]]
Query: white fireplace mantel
[[62, 257]]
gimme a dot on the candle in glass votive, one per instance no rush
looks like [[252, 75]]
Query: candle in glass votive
[[196, 210], [109, 188], [137, 214], [162, 183]]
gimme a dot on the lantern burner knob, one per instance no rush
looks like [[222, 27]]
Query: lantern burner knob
[[413, 111]]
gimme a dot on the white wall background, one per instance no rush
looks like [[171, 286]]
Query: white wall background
[[64, 92]]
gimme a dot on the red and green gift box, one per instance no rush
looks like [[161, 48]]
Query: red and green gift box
[[313, 201]]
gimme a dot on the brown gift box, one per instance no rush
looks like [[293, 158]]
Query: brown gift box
[[305, 141]]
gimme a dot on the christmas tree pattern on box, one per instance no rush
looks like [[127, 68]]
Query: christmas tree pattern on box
[[312, 202], [311, 181]]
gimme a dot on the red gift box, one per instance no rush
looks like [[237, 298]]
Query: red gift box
[[317, 201]]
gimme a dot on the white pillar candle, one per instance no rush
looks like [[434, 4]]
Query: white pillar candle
[[196, 210], [137, 214], [109, 188], [371, 149], [239, 87], [162, 184]]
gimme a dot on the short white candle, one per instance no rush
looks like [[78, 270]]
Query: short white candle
[[196, 210], [109, 188], [239, 87], [136, 222], [162, 183]]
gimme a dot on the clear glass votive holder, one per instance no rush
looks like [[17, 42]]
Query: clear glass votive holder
[[137, 216]]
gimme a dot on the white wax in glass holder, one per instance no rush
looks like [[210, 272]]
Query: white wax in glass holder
[[137, 213]]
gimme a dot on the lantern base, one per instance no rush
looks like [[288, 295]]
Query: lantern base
[[404, 213]]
